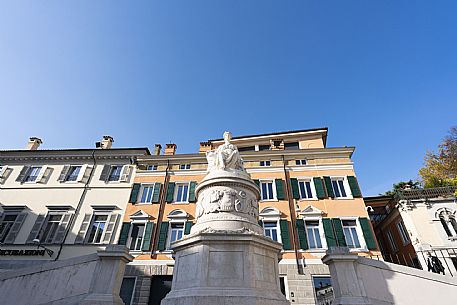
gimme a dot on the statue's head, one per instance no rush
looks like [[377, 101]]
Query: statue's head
[[227, 136]]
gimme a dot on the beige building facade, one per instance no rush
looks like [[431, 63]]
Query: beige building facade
[[59, 204]]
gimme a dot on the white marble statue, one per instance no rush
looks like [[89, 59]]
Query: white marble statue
[[225, 157]]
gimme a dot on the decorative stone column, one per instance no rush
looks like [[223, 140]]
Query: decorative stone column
[[226, 259]]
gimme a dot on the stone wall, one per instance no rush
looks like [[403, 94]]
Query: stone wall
[[359, 280], [89, 279]]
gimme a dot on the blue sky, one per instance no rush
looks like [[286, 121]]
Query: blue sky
[[381, 75]]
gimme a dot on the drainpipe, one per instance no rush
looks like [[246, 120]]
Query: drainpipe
[[293, 217], [78, 207], [162, 204]]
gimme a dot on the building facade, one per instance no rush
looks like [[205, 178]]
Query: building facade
[[58, 204], [417, 228], [310, 200]]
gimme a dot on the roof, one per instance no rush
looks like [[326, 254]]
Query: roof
[[74, 149], [279, 133]]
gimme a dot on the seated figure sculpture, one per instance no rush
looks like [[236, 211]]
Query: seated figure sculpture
[[225, 157]]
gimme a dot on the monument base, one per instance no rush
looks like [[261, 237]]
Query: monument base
[[226, 267]]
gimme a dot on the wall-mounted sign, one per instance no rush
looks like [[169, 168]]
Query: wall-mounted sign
[[21, 252]]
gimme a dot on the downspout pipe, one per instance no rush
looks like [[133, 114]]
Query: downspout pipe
[[78, 207], [293, 217], [162, 203]]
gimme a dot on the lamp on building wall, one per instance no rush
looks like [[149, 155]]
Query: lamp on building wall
[[48, 251]]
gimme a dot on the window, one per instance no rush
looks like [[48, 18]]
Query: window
[[97, 229], [291, 145], [115, 173], [73, 173], [271, 229], [5, 226], [151, 167], [403, 233], [448, 222], [338, 187], [32, 174], [148, 192], [350, 233], [312, 231], [184, 166], [51, 227], [265, 163], [182, 192], [392, 243], [264, 147], [304, 187], [137, 235], [127, 289], [246, 148], [176, 232], [323, 290], [266, 190], [300, 162]]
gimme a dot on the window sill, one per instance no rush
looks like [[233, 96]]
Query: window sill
[[268, 200], [308, 199]]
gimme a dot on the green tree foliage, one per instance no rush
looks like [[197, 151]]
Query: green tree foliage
[[401, 186], [441, 167]]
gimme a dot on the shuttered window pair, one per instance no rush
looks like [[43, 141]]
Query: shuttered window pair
[[271, 230], [325, 187], [75, 173], [170, 232], [145, 193], [136, 236], [10, 225], [271, 189], [344, 233], [37, 174], [50, 228], [181, 192], [112, 173], [97, 228]]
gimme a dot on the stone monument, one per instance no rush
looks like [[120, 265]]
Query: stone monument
[[226, 259]]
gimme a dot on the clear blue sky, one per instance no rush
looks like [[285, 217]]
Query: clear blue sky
[[382, 75]]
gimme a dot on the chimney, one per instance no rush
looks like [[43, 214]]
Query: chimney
[[107, 142], [34, 143], [157, 149], [205, 146], [170, 149]]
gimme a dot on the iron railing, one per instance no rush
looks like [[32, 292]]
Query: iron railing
[[436, 192]]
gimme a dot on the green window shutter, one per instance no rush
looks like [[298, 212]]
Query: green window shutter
[[156, 193], [162, 242], [192, 185], [328, 231], [368, 233], [354, 185], [279, 189], [319, 188], [295, 189], [134, 194], [147, 236], [257, 181], [187, 227], [302, 238], [338, 227], [329, 187], [170, 192], [284, 226], [125, 229]]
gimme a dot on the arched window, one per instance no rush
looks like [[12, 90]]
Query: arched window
[[448, 221]]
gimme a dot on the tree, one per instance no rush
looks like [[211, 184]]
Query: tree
[[401, 186], [441, 167]]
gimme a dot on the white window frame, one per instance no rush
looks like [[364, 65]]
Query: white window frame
[[301, 162], [82, 169], [313, 188], [129, 240], [403, 232], [107, 214], [347, 189], [134, 286], [271, 214], [265, 163], [175, 195], [391, 239], [363, 246], [39, 175], [185, 166], [111, 170], [321, 233], [278, 229], [154, 167], [143, 186], [275, 198]]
